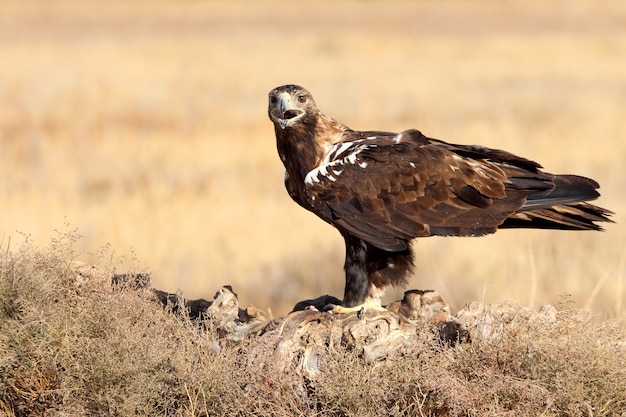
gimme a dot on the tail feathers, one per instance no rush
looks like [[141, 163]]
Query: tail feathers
[[577, 216], [567, 189], [562, 207]]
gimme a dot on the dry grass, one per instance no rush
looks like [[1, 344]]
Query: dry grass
[[71, 347], [143, 124]]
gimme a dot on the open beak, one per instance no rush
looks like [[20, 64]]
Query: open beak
[[284, 111]]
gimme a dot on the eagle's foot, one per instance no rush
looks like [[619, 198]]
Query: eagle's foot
[[361, 308]]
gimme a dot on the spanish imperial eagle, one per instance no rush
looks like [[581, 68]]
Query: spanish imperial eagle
[[382, 189]]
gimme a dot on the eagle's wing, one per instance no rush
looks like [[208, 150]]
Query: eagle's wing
[[389, 188]]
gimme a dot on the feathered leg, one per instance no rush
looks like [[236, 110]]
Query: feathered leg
[[368, 271]]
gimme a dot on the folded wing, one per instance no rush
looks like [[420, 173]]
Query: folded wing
[[388, 188]]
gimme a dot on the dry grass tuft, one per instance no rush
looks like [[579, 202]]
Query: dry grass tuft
[[573, 368], [76, 346]]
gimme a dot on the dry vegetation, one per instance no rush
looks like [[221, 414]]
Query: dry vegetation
[[72, 345]]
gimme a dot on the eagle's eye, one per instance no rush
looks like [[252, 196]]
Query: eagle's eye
[[273, 99], [301, 98]]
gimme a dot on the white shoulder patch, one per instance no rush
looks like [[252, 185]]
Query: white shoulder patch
[[340, 155]]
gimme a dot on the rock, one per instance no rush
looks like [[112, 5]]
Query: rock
[[300, 337]]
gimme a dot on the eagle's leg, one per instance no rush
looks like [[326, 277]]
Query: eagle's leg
[[360, 292], [369, 270]]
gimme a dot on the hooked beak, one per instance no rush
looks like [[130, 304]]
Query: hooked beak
[[285, 111]]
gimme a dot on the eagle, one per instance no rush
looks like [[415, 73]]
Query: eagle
[[382, 189]]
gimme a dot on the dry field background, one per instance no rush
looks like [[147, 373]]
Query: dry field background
[[143, 125]]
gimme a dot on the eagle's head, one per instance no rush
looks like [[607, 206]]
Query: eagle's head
[[289, 105]]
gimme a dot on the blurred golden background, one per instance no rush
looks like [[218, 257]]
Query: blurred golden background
[[143, 124]]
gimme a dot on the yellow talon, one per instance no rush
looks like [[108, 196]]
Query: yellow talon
[[366, 306]]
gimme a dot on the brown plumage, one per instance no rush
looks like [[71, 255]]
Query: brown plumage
[[382, 189]]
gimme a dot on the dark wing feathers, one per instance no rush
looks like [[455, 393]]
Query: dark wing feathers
[[567, 189], [388, 188], [482, 152], [471, 195], [393, 188]]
